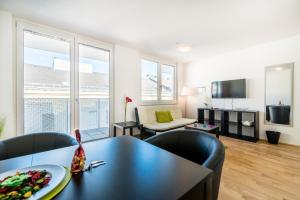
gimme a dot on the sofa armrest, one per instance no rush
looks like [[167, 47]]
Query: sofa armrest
[[137, 118]]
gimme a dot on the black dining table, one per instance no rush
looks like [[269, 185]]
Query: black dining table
[[134, 169]]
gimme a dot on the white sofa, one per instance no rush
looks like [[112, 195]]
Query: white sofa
[[145, 115]]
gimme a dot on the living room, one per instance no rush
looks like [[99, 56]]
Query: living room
[[225, 72]]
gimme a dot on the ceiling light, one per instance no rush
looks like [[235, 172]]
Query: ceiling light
[[183, 47], [279, 68]]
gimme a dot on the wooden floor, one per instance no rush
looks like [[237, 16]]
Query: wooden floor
[[260, 171]]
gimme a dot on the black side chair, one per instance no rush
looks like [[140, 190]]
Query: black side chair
[[34, 143], [196, 146]]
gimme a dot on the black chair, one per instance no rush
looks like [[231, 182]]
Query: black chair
[[196, 146], [34, 143]]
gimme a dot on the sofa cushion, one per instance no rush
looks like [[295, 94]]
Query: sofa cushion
[[170, 116], [163, 116], [170, 125], [147, 113]]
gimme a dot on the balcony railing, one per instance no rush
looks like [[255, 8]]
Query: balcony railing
[[53, 115]]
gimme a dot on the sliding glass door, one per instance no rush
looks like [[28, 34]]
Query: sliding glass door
[[64, 82], [46, 87], [94, 90]]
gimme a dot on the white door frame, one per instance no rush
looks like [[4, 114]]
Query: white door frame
[[73, 40], [106, 47], [47, 32]]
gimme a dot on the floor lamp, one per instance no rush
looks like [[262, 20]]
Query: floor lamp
[[185, 92]]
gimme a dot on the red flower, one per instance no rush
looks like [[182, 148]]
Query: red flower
[[128, 100]]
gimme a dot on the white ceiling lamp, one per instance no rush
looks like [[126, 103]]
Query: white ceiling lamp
[[183, 47]]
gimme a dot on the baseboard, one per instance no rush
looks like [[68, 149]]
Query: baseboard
[[293, 145]]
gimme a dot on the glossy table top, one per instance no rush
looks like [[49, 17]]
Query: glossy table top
[[134, 170], [204, 127], [129, 124]]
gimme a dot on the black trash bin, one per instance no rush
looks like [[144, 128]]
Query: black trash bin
[[273, 137]]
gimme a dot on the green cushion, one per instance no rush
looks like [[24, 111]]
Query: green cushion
[[170, 115], [163, 116]]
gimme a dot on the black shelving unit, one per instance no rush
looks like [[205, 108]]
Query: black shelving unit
[[232, 128]]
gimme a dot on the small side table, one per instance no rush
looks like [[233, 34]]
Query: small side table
[[126, 125], [204, 127]]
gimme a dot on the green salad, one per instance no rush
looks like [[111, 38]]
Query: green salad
[[23, 185]]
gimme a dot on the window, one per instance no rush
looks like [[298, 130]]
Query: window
[[158, 82], [64, 83], [149, 80], [167, 82]]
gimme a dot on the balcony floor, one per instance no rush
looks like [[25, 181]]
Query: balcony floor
[[94, 134]]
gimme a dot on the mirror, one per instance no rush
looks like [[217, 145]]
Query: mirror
[[279, 83]]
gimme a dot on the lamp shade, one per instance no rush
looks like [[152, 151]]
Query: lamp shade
[[188, 91]]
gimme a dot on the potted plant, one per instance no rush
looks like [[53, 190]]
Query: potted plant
[[127, 100]]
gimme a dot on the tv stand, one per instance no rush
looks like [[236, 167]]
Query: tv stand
[[230, 122]]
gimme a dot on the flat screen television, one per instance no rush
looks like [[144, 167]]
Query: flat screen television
[[228, 89]]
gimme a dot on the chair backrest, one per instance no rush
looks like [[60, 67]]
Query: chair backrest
[[34, 143], [147, 113], [195, 146]]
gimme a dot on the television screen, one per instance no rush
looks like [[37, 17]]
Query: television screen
[[229, 89]]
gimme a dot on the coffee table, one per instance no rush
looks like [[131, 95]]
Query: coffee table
[[204, 127]]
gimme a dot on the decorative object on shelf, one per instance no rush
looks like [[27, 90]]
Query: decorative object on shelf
[[207, 102], [273, 137], [2, 125], [78, 160], [127, 100]]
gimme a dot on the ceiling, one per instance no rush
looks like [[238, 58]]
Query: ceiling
[[210, 27]]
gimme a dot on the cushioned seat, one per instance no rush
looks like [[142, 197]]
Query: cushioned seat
[[169, 125], [146, 116], [34, 143], [195, 146]]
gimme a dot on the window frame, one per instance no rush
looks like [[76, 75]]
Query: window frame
[[174, 100], [159, 100], [74, 40]]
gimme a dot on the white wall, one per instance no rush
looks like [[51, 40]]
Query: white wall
[[127, 81], [7, 69], [249, 63]]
